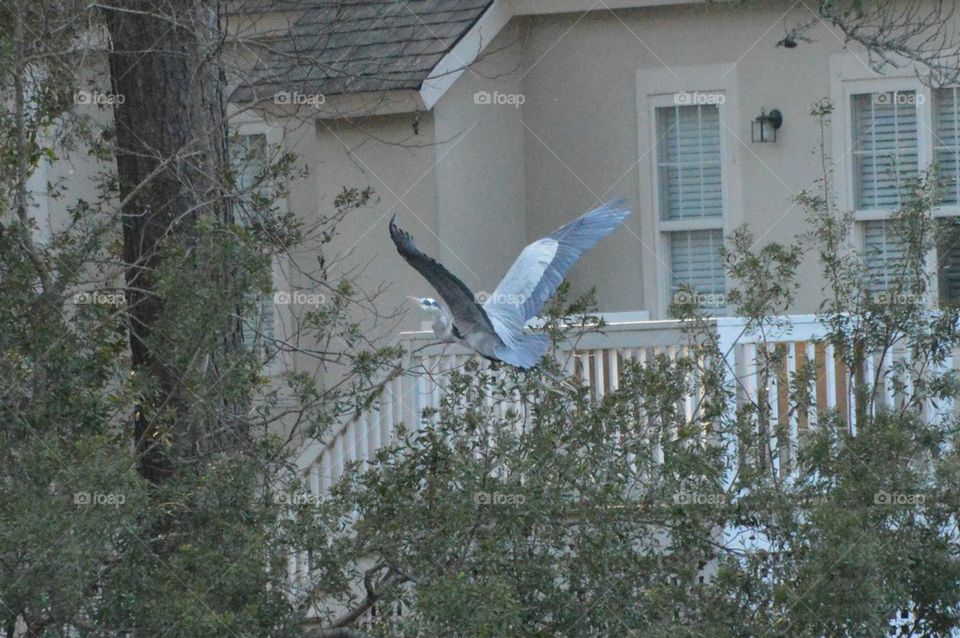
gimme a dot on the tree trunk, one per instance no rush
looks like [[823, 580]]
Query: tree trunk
[[171, 161]]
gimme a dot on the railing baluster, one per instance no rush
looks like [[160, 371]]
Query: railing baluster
[[315, 480], [751, 396], [382, 414], [887, 378], [569, 363], [338, 446], [613, 365], [791, 410], [871, 366], [363, 433], [771, 375], [598, 381], [947, 408], [350, 440], [813, 406], [830, 369], [323, 470]]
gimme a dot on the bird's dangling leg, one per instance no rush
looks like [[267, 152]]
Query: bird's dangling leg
[[557, 380]]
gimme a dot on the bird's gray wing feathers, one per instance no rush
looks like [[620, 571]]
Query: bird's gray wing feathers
[[526, 351], [540, 268], [466, 312]]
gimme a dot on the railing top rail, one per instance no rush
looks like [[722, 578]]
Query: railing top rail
[[646, 327], [655, 333]]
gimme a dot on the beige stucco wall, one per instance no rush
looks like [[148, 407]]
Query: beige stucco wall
[[583, 102], [58, 186], [480, 166], [385, 154]]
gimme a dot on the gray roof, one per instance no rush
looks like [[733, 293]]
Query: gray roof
[[339, 47]]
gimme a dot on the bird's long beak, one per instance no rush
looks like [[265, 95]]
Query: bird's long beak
[[415, 300]]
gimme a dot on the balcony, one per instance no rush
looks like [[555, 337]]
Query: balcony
[[596, 359]]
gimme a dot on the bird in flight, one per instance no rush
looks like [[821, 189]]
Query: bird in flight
[[494, 329]]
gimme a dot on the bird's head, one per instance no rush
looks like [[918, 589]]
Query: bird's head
[[427, 304]]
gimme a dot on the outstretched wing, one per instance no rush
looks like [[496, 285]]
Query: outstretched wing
[[540, 268], [466, 312]]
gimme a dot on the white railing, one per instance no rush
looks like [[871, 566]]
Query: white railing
[[597, 360]]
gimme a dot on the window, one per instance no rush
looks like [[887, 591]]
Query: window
[[946, 142], [695, 260], [884, 148], [896, 134], [882, 255], [948, 260], [248, 154], [690, 196]]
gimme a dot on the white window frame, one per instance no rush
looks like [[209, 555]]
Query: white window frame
[[656, 88], [850, 76], [243, 125]]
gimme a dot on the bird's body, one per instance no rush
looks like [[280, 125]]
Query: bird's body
[[495, 329]]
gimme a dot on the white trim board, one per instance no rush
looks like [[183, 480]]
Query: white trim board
[[465, 52], [538, 7]]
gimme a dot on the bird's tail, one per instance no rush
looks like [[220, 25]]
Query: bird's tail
[[526, 351]]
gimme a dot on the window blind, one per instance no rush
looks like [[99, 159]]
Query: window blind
[[948, 260], [695, 261], [691, 188], [688, 150], [946, 141], [885, 147], [883, 255]]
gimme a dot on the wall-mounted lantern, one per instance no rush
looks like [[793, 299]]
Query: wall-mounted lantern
[[764, 129]]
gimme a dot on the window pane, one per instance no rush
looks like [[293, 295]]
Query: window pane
[[883, 257], [884, 148], [695, 261], [946, 141], [258, 328], [688, 161], [248, 154], [948, 260]]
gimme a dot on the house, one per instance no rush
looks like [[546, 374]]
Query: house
[[485, 124]]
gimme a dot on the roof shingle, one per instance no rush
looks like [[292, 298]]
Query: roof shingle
[[340, 47]]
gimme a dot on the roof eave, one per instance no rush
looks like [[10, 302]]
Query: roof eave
[[488, 26], [540, 7], [465, 52], [345, 106]]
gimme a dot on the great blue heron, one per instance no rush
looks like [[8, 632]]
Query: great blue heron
[[495, 328]]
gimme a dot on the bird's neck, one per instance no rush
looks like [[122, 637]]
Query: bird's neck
[[442, 326]]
